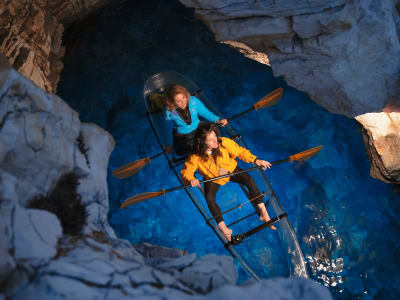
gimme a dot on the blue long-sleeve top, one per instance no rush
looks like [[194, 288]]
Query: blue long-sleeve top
[[196, 108]]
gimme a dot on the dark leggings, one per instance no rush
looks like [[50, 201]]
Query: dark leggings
[[211, 189], [183, 143]]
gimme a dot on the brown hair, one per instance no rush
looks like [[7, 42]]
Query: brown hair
[[172, 91], [199, 146]]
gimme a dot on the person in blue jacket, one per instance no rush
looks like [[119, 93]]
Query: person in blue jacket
[[182, 113]]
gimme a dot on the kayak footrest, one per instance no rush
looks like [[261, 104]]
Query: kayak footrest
[[241, 219], [237, 239]]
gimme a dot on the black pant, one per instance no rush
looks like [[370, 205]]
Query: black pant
[[183, 143], [211, 189]]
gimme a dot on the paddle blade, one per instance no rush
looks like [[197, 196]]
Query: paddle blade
[[270, 99], [305, 154], [131, 168], [141, 197]]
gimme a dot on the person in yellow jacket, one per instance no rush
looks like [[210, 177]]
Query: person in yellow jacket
[[214, 156]]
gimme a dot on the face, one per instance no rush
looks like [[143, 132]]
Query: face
[[180, 101], [211, 140]]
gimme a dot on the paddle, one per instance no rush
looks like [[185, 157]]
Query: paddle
[[132, 168], [144, 196]]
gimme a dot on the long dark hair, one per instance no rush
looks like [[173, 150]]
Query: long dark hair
[[199, 146]]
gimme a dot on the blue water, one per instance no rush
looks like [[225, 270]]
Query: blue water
[[346, 222]]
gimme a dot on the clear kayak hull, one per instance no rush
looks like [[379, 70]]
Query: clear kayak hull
[[265, 253]]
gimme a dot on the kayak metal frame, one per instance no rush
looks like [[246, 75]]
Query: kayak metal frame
[[287, 233]]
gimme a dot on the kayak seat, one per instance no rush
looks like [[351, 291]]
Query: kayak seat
[[157, 102]]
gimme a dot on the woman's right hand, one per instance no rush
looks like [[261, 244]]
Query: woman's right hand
[[223, 122], [195, 182]]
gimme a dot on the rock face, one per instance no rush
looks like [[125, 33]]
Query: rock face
[[30, 37], [31, 32], [41, 138], [344, 54]]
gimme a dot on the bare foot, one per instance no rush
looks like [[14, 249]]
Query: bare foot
[[264, 217], [225, 230]]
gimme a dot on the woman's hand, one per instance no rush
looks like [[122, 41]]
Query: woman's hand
[[262, 163], [223, 122], [195, 182]]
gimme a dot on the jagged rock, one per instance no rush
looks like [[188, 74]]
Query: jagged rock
[[210, 272], [98, 145], [40, 131], [30, 37], [344, 54], [381, 134]]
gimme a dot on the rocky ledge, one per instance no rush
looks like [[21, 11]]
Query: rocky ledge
[[49, 159]]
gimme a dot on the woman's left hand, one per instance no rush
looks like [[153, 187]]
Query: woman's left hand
[[262, 163], [223, 122]]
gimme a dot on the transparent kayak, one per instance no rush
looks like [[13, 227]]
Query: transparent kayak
[[261, 252]]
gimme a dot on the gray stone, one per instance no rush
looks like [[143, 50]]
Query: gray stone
[[210, 272], [37, 228], [177, 263], [93, 187], [27, 112], [92, 271]]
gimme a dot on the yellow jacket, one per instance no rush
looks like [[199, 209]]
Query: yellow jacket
[[209, 168]]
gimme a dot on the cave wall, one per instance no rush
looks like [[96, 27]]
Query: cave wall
[[31, 35]]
